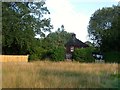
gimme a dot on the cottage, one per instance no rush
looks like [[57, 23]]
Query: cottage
[[72, 44]]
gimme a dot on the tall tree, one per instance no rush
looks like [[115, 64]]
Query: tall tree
[[104, 28], [56, 39], [54, 44], [21, 22]]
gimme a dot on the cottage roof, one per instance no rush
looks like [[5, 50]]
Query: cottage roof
[[75, 42]]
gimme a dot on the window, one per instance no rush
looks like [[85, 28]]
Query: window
[[72, 49]]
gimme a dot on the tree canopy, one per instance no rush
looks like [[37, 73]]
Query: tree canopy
[[54, 43], [104, 28], [21, 22]]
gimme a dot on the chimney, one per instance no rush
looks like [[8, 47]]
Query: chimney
[[73, 36]]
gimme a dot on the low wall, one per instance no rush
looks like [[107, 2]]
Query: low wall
[[13, 58]]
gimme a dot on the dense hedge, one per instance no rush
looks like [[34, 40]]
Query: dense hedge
[[112, 56], [37, 53], [83, 54], [55, 54], [80, 54], [58, 54]]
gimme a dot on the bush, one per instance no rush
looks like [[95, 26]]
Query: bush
[[58, 54], [37, 53], [112, 57], [33, 57], [83, 54]]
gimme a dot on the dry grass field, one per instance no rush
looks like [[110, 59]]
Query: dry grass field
[[46, 74]]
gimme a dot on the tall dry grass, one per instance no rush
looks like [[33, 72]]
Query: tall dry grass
[[46, 74]]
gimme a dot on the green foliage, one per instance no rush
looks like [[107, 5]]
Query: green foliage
[[21, 21], [54, 44], [104, 28], [58, 54], [112, 57], [37, 53], [83, 54], [56, 39]]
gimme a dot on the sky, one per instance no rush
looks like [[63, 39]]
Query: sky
[[75, 14]]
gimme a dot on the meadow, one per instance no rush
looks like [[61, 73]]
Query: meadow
[[47, 74]]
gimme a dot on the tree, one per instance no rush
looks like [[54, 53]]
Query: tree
[[56, 39], [21, 22], [89, 43], [104, 28], [54, 43]]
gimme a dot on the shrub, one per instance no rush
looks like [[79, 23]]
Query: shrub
[[113, 56], [58, 54], [37, 53], [33, 57], [83, 54]]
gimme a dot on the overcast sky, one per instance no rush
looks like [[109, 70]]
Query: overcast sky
[[75, 14]]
